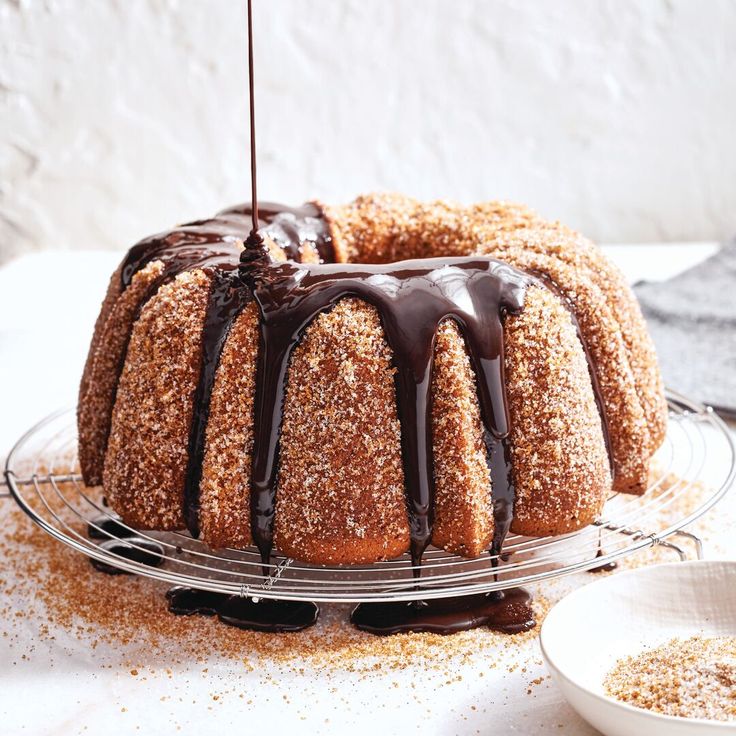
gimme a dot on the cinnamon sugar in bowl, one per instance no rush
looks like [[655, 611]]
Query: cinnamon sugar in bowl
[[655, 627]]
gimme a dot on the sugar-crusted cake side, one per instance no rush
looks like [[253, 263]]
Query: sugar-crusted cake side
[[340, 495], [146, 456], [560, 461], [107, 353]]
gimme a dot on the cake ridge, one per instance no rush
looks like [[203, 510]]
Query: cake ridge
[[226, 299], [557, 290]]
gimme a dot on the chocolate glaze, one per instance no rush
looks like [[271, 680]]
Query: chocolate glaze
[[412, 298], [298, 231], [150, 553], [217, 242], [508, 611], [266, 615], [204, 243]]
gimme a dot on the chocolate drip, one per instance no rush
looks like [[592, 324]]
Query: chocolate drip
[[146, 551], [227, 298], [508, 611], [412, 298], [503, 493], [606, 566], [105, 527], [215, 242], [266, 615]]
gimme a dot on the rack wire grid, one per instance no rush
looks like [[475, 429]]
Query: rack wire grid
[[42, 476]]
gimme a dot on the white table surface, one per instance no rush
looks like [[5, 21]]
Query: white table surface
[[48, 303]]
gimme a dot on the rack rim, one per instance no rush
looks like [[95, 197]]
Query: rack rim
[[448, 575]]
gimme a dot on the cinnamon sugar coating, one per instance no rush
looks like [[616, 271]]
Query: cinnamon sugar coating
[[99, 383], [560, 463], [114, 288], [340, 496], [463, 507], [225, 488], [381, 228], [560, 242], [146, 457], [627, 425]]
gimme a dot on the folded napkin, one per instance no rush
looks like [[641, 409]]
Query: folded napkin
[[692, 319]]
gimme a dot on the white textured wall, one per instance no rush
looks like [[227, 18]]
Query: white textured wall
[[120, 118]]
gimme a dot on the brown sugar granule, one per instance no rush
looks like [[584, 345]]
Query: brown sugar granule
[[129, 615], [690, 678], [125, 617]]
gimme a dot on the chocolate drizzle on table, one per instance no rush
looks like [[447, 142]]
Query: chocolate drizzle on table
[[508, 611], [244, 613], [133, 548], [107, 527]]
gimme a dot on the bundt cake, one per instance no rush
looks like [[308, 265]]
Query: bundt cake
[[372, 378]]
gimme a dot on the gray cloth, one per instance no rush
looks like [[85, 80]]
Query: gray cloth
[[692, 319]]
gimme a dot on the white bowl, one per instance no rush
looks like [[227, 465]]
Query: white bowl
[[589, 630]]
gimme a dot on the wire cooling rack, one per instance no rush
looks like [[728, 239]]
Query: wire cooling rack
[[42, 476]]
